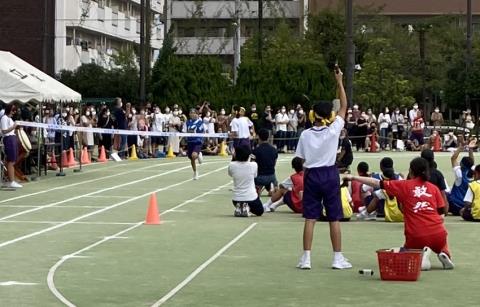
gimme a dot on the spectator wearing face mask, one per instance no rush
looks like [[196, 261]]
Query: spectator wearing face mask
[[436, 118], [158, 125], [105, 121], [174, 125], [266, 122], [371, 117], [412, 114], [281, 122], [120, 122], [384, 121], [87, 137], [362, 131], [10, 143], [301, 122], [292, 131], [398, 127], [417, 128]]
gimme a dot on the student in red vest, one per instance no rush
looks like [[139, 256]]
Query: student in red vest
[[357, 192], [290, 191]]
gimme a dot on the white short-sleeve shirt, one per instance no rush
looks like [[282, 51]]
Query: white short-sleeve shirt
[[7, 123], [241, 126], [243, 174], [318, 145]]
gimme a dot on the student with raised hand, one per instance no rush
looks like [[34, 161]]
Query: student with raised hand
[[463, 175], [317, 146]]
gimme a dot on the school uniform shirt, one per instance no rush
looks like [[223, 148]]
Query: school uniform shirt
[[420, 201], [318, 145], [279, 118], [6, 123], [194, 126], [243, 174], [241, 126]]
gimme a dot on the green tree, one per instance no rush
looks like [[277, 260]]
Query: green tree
[[380, 82]]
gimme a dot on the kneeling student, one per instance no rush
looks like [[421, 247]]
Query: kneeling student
[[243, 172]]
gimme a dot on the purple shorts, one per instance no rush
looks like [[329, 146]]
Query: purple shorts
[[192, 147], [11, 148], [241, 142], [322, 189]]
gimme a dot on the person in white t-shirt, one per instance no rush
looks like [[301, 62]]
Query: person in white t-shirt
[[384, 121], [241, 128], [317, 146], [10, 144], [243, 172], [158, 125], [281, 122]]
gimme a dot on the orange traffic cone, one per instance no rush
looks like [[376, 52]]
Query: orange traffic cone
[[64, 159], [84, 157], [152, 218], [71, 159], [53, 161], [102, 157]]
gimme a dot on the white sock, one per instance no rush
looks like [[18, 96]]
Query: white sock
[[337, 256], [277, 203], [306, 255], [268, 203]]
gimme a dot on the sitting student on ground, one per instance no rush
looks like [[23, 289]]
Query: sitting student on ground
[[243, 172], [344, 155], [422, 206], [463, 175], [436, 176], [471, 211], [290, 191], [358, 194], [376, 204], [266, 157]]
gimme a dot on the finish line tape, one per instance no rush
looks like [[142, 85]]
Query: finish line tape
[[118, 131]]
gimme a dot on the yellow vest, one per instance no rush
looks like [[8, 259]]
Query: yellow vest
[[475, 187], [347, 209], [392, 212]]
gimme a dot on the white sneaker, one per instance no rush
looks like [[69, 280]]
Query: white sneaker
[[341, 264], [426, 265], [245, 209], [195, 175], [446, 261], [14, 185], [200, 158], [365, 216], [304, 263], [238, 211]]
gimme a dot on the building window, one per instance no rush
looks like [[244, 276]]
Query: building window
[[114, 19], [69, 40], [101, 4]]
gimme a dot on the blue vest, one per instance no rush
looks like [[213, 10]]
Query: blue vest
[[458, 192]]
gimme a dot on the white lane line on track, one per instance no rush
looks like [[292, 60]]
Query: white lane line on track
[[60, 222], [100, 178], [92, 193], [53, 269], [16, 283], [202, 267], [34, 234]]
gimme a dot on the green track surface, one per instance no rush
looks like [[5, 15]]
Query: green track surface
[[145, 263]]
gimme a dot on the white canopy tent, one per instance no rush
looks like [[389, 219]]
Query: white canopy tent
[[22, 82]]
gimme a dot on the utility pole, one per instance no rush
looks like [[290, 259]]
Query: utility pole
[[236, 42], [468, 59], [350, 48], [142, 51], [260, 32]]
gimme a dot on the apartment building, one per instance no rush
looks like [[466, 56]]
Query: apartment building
[[63, 34], [208, 27]]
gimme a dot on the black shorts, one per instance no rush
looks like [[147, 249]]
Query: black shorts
[[256, 206], [467, 215]]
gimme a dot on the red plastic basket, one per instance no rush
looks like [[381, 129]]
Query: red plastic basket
[[403, 265]]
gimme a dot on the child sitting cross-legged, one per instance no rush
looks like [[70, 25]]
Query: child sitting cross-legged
[[290, 191], [471, 211]]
